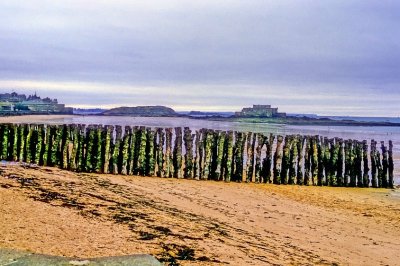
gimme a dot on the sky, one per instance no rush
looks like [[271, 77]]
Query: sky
[[331, 57]]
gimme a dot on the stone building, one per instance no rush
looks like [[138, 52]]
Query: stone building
[[260, 111], [14, 103]]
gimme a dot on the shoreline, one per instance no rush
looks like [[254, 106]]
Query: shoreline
[[274, 121]]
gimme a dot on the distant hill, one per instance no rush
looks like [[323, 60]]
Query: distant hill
[[142, 111]]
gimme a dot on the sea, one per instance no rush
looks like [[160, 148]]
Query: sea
[[346, 132]]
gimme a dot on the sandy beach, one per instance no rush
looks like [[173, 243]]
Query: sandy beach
[[56, 212]]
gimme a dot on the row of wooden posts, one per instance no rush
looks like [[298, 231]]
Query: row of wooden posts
[[202, 154]]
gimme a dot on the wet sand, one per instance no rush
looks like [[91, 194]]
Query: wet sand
[[56, 212]]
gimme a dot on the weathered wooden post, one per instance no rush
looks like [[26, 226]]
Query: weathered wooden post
[[133, 150], [23, 131], [219, 172], [391, 165], [374, 172], [366, 167], [321, 160], [385, 165], [4, 130], [81, 155], [15, 142], [347, 164], [359, 162], [188, 141], [39, 145], [196, 166], [177, 153], [238, 156], [49, 133], [267, 161], [293, 161], [326, 160], [339, 166], [75, 147], [278, 160], [208, 141], [307, 163], [150, 158], [286, 161], [98, 162], [65, 146], [379, 167], [108, 140], [228, 152], [250, 156], [300, 164], [214, 154], [141, 162], [314, 160], [116, 150], [168, 169], [160, 152], [333, 162], [89, 148], [258, 168], [125, 150]]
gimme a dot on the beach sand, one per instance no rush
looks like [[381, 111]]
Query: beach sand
[[56, 212]]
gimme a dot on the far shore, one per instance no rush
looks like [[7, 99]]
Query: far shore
[[40, 118]]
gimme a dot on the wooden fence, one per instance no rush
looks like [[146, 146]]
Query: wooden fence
[[201, 154]]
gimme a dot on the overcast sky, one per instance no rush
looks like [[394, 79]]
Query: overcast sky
[[327, 57]]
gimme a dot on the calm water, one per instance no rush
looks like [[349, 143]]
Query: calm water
[[345, 132]]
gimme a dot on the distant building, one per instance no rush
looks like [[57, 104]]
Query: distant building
[[260, 111], [14, 103]]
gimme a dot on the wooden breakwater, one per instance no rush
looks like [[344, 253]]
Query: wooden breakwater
[[201, 154]]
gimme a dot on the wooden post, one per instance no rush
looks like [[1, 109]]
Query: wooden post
[[160, 152], [314, 160], [196, 166], [168, 169], [238, 155], [333, 162], [379, 167], [116, 150], [286, 160], [228, 151], [207, 153], [339, 166], [391, 165], [81, 148], [47, 144], [108, 141], [278, 160], [141, 162], [365, 162], [65, 146], [150, 156], [300, 164], [294, 154], [188, 141], [307, 162], [15, 142], [250, 156], [125, 150], [177, 153], [4, 129], [267, 161], [258, 166], [321, 160], [385, 165], [75, 147], [374, 172], [23, 131], [219, 172]]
